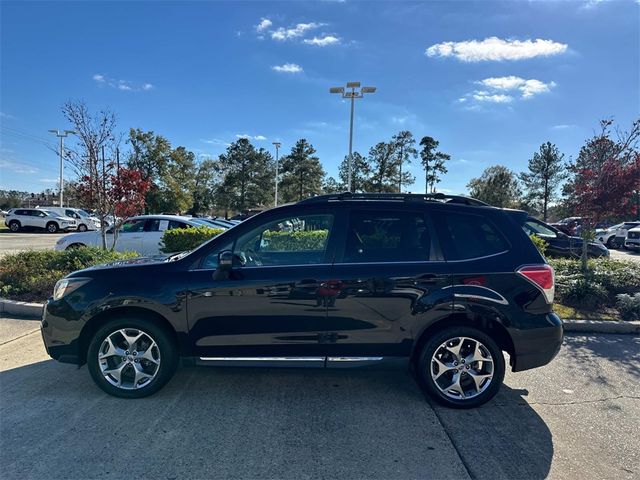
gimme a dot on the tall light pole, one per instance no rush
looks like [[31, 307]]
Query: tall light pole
[[61, 136], [352, 94], [277, 145]]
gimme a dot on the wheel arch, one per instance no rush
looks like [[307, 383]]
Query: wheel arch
[[484, 323], [93, 324]]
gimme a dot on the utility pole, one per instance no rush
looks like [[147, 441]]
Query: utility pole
[[353, 94], [277, 145], [61, 136]]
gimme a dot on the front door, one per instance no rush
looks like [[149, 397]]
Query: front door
[[130, 236], [390, 279], [271, 306]]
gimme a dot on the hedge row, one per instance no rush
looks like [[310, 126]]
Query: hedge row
[[30, 276], [183, 239]]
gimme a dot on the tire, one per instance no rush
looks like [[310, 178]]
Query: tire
[[14, 226], [82, 227], [441, 385], [52, 227], [73, 246], [611, 243], [157, 362]]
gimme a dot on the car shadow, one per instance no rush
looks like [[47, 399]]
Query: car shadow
[[261, 423]]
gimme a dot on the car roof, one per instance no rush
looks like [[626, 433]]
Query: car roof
[[181, 218]]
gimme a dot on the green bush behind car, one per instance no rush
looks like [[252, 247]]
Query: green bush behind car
[[31, 276]]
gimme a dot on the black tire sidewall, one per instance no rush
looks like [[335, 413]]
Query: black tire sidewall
[[166, 345], [434, 343], [17, 226], [82, 228], [55, 225]]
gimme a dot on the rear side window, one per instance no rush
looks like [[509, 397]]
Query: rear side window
[[387, 237], [470, 236]]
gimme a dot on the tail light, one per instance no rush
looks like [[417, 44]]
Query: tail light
[[542, 277]]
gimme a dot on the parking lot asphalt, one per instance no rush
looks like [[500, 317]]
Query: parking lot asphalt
[[576, 418], [36, 240]]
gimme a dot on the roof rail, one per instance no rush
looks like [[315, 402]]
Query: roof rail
[[399, 197]]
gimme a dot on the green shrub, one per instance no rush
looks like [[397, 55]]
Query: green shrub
[[31, 275], [628, 306], [295, 241], [583, 294], [182, 239], [540, 244], [615, 276]]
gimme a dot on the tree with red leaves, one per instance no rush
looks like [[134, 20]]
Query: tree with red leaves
[[607, 175]]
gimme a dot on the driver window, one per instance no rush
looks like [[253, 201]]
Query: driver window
[[294, 240], [133, 226]]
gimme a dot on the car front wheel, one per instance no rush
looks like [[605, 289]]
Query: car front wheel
[[52, 227], [82, 227], [131, 358], [461, 367]]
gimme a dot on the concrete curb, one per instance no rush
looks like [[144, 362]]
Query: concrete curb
[[24, 310], [602, 326], [33, 311]]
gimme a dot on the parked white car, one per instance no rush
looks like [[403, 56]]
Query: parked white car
[[141, 234], [84, 221], [25, 218], [632, 240]]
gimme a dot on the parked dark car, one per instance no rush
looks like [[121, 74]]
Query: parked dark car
[[444, 283], [559, 244]]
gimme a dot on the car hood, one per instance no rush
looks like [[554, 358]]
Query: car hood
[[129, 262]]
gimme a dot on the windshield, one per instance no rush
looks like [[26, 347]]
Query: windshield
[[539, 229], [82, 213]]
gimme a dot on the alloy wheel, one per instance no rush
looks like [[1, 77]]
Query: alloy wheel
[[462, 368], [129, 358]]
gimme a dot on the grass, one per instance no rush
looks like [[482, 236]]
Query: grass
[[575, 314]]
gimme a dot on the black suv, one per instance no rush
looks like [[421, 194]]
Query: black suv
[[444, 283]]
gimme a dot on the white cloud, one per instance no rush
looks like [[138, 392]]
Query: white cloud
[[123, 85], [215, 141], [493, 98], [496, 49], [322, 41], [527, 88], [562, 127], [17, 167], [288, 68], [259, 138], [263, 25], [299, 30]]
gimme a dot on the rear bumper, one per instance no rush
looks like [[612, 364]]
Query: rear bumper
[[537, 347]]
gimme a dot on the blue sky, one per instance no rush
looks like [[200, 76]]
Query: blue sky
[[490, 80]]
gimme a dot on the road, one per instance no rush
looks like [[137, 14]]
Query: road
[[577, 418]]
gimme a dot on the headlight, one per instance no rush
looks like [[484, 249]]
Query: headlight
[[68, 285]]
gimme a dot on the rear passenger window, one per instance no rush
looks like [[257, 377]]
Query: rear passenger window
[[470, 236], [387, 237]]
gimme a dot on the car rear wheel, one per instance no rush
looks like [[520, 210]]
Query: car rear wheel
[[14, 226], [52, 227], [82, 227], [73, 246], [611, 243], [461, 367], [131, 358]]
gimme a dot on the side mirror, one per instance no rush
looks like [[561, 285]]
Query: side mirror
[[225, 260], [225, 265]]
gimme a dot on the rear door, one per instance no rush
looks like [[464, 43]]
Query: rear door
[[388, 282]]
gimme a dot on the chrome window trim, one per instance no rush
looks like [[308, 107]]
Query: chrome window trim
[[478, 258]]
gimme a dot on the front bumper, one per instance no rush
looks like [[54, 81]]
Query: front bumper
[[61, 337], [632, 243], [538, 346]]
